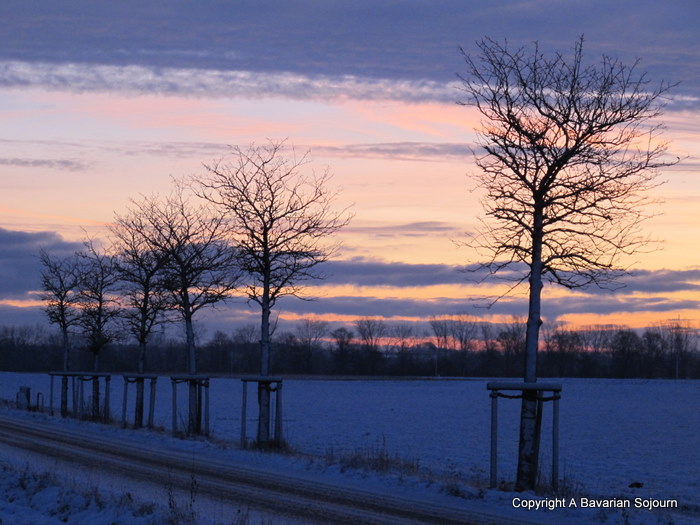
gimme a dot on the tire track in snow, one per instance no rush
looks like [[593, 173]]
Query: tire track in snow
[[320, 502]]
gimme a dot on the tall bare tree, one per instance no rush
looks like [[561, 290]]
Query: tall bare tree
[[142, 286], [59, 283], [200, 268], [99, 306], [568, 153], [281, 219], [97, 296]]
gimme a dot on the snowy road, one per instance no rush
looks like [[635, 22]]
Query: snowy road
[[275, 492]]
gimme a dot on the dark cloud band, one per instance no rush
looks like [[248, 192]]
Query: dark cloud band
[[405, 50], [644, 291]]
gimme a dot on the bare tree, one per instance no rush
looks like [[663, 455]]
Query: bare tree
[[404, 338], [141, 271], [59, 282], [247, 340], [443, 340], [511, 338], [342, 337], [141, 267], [371, 331], [568, 153], [343, 342], [310, 333], [97, 297], [463, 330], [403, 335], [441, 330], [99, 306], [280, 219], [490, 357], [680, 341], [201, 268]]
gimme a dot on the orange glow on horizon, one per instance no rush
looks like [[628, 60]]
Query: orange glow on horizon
[[22, 303]]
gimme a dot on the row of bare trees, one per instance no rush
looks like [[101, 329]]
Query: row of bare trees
[[254, 226]]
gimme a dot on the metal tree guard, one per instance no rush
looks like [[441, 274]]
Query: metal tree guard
[[496, 388]]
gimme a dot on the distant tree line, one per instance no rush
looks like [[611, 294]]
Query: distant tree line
[[450, 346]]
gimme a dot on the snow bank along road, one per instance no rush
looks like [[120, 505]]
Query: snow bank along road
[[272, 492]]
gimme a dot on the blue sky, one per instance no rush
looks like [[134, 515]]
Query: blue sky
[[103, 101]]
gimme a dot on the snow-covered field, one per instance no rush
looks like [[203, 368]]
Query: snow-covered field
[[613, 433]]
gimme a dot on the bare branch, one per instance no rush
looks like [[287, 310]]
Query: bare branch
[[572, 143]]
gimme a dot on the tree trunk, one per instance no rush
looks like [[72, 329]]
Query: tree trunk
[[96, 398], [263, 391], [528, 450], [66, 350], [191, 355], [138, 410], [64, 379], [64, 396], [193, 416]]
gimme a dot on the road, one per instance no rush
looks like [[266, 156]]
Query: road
[[270, 492]]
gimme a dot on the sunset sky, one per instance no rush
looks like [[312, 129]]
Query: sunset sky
[[103, 101]]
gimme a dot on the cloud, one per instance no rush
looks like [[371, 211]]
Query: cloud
[[172, 149], [217, 83], [361, 272], [56, 164], [380, 307], [302, 49], [20, 268], [614, 304], [656, 281], [365, 272], [398, 151], [646, 291], [413, 229], [137, 79], [552, 308], [411, 151]]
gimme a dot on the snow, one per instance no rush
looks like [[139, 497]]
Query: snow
[[30, 498], [613, 433]]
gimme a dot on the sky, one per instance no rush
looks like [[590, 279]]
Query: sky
[[102, 102]]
